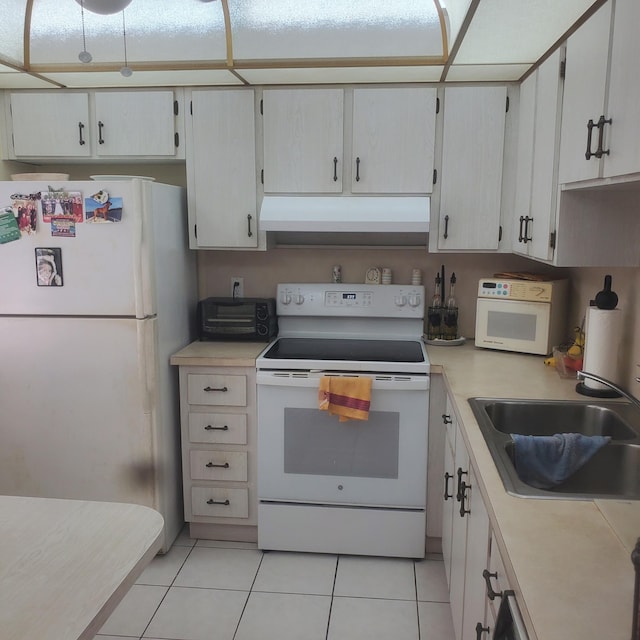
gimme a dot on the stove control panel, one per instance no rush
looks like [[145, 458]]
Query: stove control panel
[[389, 301]]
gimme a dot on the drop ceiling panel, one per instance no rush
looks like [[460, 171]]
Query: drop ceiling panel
[[146, 79], [281, 29], [505, 31], [486, 72], [12, 80], [342, 75]]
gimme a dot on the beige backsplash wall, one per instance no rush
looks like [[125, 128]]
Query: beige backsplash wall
[[262, 271]]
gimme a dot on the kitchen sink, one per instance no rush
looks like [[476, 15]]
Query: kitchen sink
[[613, 472]]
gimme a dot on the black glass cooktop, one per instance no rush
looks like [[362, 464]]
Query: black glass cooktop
[[344, 349]]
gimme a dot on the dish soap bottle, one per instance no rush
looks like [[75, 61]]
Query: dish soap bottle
[[450, 313], [434, 313]]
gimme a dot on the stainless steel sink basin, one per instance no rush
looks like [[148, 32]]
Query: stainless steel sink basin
[[613, 472]]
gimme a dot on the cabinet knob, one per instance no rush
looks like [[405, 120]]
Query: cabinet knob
[[480, 630], [446, 418]]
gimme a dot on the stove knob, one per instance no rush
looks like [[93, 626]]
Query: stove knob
[[298, 299], [414, 300], [285, 298], [400, 301]]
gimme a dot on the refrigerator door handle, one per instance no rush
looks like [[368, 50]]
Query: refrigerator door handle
[[142, 250], [146, 335]]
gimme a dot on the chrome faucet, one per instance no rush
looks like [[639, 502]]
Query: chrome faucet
[[592, 376]]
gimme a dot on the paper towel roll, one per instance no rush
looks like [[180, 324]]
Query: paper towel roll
[[603, 332]]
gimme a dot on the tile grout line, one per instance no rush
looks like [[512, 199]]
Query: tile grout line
[[246, 602], [333, 590], [168, 588]]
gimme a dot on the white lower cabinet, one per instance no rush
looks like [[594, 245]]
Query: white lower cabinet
[[474, 568], [218, 417]]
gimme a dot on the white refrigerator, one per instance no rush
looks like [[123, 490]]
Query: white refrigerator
[[88, 400]]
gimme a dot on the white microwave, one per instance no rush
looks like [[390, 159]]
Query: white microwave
[[521, 315]]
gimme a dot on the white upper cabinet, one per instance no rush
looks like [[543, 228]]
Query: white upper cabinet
[[135, 123], [623, 105], [303, 134], [393, 140], [50, 124], [584, 96], [471, 175], [94, 125], [389, 135], [600, 126], [221, 169], [538, 142]]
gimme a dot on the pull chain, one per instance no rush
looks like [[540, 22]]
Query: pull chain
[[125, 71]]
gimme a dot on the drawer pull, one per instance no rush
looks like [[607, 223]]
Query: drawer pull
[[480, 631], [226, 503], [491, 594], [210, 427], [222, 466], [223, 389], [446, 418]]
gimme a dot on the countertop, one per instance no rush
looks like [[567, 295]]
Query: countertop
[[219, 354], [66, 564], [568, 561]]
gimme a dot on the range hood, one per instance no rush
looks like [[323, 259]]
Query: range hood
[[360, 220]]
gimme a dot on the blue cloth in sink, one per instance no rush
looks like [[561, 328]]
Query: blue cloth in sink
[[547, 461]]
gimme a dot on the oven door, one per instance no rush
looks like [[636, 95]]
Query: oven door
[[306, 455], [513, 325]]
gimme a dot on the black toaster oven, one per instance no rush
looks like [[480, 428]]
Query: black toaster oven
[[237, 319]]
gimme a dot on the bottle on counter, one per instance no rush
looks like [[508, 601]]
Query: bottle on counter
[[450, 313], [434, 313]]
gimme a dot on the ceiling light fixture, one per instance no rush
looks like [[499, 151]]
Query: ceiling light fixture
[[126, 71], [84, 55], [104, 7]]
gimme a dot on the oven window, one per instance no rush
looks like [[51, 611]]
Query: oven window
[[516, 326], [316, 443]]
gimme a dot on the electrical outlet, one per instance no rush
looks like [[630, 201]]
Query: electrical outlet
[[237, 287]]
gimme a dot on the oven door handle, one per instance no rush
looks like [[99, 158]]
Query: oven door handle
[[312, 380]]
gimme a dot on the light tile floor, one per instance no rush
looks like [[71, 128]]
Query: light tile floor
[[210, 590]]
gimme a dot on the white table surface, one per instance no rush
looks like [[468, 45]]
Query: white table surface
[[66, 564]]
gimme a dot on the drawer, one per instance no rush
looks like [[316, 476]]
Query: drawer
[[217, 389], [219, 502], [219, 465], [218, 428]]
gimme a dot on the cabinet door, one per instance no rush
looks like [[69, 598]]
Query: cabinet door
[[458, 539], [52, 124], [303, 139], [473, 146], [135, 123], [584, 95], [624, 91], [393, 140], [524, 170], [477, 559], [448, 508], [221, 169], [544, 180]]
